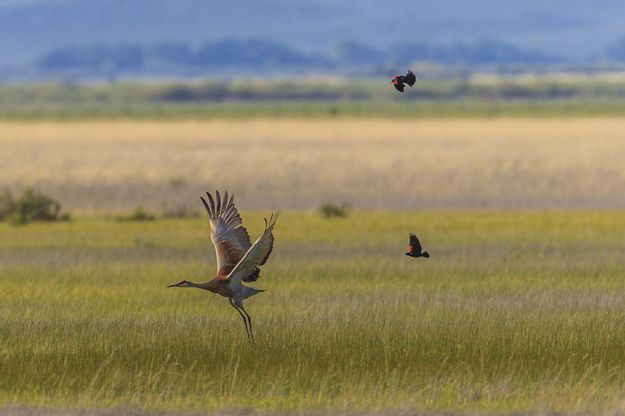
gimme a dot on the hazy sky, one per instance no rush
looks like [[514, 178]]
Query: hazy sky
[[566, 27]]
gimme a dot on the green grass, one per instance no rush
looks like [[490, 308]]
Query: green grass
[[514, 311], [471, 108], [549, 95]]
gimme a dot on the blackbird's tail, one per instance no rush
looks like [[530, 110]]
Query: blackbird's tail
[[410, 78], [425, 254]]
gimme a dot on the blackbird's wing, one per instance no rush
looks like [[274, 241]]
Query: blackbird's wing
[[399, 86], [410, 78], [415, 243]]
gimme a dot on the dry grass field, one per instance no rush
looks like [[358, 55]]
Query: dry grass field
[[299, 163]]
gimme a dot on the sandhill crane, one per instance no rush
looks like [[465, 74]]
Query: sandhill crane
[[238, 260]]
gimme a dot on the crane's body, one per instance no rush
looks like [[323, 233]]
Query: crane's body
[[238, 260], [220, 286]]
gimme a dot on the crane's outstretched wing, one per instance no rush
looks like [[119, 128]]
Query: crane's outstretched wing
[[415, 244], [410, 78], [230, 238], [256, 256]]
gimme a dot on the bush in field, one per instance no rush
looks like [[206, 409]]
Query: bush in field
[[31, 206], [139, 214], [177, 182], [6, 204], [330, 210], [181, 211]]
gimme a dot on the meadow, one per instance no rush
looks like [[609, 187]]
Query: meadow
[[470, 95], [380, 163], [515, 311], [520, 308]]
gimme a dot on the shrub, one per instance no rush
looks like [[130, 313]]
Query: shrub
[[330, 210], [179, 212], [29, 207], [6, 204], [145, 243], [139, 214], [177, 182]]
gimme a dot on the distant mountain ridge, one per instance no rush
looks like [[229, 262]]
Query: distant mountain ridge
[[312, 31], [29, 28], [256, 57]]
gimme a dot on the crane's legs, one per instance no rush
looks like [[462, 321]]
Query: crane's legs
[[249, 337], [239, 304]]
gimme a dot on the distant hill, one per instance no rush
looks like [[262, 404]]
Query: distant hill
[[254, 57], [225, 56], [567, 29]]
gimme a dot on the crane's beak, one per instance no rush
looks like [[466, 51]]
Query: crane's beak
[[184, 283]]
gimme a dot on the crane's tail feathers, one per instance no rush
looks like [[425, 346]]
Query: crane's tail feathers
[[251, 291]]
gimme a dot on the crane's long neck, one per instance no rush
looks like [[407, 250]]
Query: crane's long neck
[[205, 286]]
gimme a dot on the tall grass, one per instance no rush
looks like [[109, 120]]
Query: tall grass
[[299, 164], [514, 311]]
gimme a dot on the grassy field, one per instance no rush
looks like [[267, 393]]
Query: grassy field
[[112, 166], [514, 311], [237, 111], [481, 95]]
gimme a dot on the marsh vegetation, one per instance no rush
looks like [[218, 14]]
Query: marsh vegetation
[[163, 166], [514, 311]]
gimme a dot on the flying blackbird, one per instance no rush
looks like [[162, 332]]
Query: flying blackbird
[[399, 81], [415, 248]]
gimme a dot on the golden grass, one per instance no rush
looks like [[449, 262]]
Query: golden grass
[[297, 163]]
